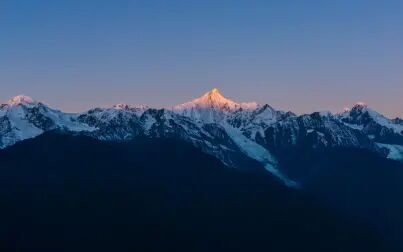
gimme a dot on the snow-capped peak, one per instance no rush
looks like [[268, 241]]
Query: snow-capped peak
[[21, 99], [358, 109], [215, 100], [362, 115], [360, 105]]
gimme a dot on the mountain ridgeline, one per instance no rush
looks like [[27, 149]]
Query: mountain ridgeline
[[212, 167], [239, 134]]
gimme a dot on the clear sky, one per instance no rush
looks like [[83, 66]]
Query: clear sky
[[294, 55]]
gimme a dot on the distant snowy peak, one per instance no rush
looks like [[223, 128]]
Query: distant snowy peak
[[124, 106], [21, 99], [22, 118], [371, 122], [360, 105], [359, 112], [215, 100]]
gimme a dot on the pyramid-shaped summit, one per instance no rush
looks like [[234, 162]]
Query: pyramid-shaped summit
[[215, 100]]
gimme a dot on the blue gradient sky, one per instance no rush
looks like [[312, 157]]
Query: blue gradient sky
[[295, 55]]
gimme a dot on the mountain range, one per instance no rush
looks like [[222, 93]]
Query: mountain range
[[211, 174], [242, 135]]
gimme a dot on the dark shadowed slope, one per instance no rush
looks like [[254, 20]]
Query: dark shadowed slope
[[363, 186], [359, 183], [66, 193]]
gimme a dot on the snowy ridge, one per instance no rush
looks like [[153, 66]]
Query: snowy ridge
[[23, 118], [395, 151], [386, 133], [124, 106], [360, 115], [234, 132]]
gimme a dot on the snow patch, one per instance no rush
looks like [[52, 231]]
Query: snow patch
[[257, 152], [395, 151], [149, 122], [22, 128]]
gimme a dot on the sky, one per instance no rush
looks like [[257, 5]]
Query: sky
[[301, 55]]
